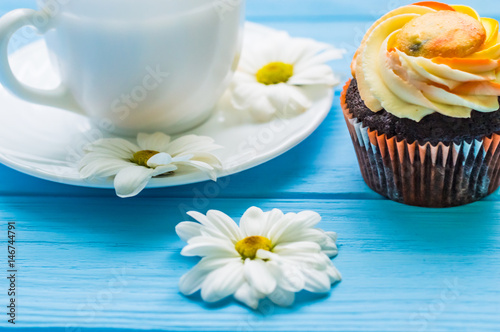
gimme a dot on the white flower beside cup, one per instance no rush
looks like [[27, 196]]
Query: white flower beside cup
[[270, 254], [273, 72], [133, 165]]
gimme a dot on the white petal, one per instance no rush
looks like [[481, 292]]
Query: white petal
[[334, 274], [247, 67], [209, 170], [317, 75], [212, 229], [253, 58], [257, 54], [281, 226], [132, 180], [244, 90], [320, 59], [308, 219], [318, 261], [329, 247], [253, 222], [253, 98], [113, 147], [301, 49], [259, 276], [331, 252], [159, 159], [292, 225], [223, 282], [316, 281], [332, 236], [209, 247], [201, 218], [262, 109], [225, 225], [184, 157], [156, 142], [192, 281], [278, 47], [328, 55], [264, 255], [101, 167], [282, 297], [289, 100], [187, 230], [289, 276], [272, 217], [207, 158], [242, 85], [308, 234], [213, 232], [248, 295], [299, 259], [160, 170], [189, 144], [297, 247]]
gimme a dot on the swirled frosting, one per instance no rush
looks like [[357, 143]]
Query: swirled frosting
[[410, 86]]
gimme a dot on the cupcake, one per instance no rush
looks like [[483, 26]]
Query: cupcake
[[422, 107]]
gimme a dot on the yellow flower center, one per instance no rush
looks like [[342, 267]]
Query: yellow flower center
[[141, 158], [249, 246], [275, 73]]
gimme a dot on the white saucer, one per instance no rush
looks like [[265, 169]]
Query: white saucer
[[47, 143]]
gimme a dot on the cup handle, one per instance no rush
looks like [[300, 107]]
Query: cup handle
[[59, 97]]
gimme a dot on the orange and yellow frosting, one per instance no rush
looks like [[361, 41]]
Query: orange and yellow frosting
[[430, 57]]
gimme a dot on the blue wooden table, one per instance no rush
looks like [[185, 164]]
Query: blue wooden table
[[87, 259]]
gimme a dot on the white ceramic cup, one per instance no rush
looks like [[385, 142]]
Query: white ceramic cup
[[133, 65]]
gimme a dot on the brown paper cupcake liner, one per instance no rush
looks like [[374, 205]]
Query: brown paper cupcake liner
[[441, 175]]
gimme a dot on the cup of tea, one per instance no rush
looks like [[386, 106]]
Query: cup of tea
[[134, 65]]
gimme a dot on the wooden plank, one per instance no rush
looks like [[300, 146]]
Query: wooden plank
[[110, 264], [345, 10], [279, 9], [334, 10]]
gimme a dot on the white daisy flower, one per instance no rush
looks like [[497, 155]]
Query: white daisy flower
[[270, 254], [133, 165], [273, 72]]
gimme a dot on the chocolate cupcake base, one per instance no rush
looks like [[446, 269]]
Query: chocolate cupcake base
[[427, 174]]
